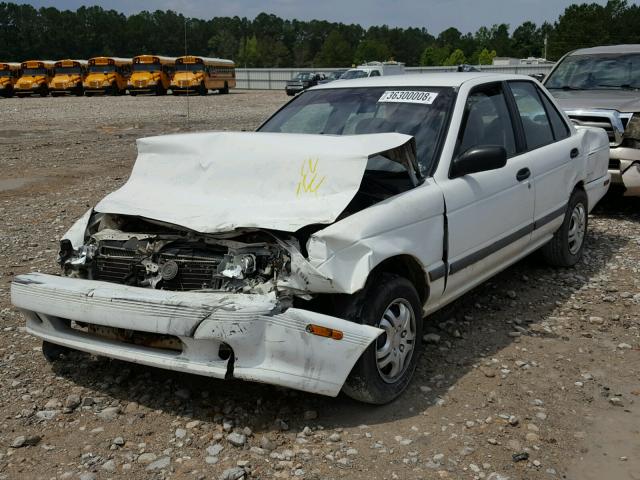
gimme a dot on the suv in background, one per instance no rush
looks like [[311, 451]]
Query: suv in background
[[332, 76], [600, 87], [302, 81]]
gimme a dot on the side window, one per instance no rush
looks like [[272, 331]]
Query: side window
[[486, 121], [535, 122], [375, 73], [560, 128]]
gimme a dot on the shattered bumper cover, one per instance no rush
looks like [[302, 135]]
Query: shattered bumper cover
[[268, 346]]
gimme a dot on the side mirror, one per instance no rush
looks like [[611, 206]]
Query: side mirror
[[479, 159]]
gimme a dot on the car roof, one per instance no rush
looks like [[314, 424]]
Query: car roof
[[626, 48], [441, 79]]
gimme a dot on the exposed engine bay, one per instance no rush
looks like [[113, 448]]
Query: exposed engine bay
[[137, 252]]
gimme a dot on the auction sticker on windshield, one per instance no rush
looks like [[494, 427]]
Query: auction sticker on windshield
[[407, 96]]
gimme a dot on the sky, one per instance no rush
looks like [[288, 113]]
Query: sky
[[435, 15]]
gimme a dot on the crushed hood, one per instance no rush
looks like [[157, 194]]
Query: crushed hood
[[620, 100], [219, 181]]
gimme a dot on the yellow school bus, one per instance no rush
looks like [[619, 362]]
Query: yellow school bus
[[150, 74], [107, 75], [201, 74], [9, 74], [35, 78], [67, 77]]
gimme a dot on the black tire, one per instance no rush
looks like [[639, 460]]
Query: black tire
[[88, 94], [565, 248], [160, 90], [202, 90], [133, 94], [224, 90], [113, 90], [44, 92], [53, 352], [367, 382]]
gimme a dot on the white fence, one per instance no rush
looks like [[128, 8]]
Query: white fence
[[276, 78]]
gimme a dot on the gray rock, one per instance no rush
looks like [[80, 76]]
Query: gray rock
[[181, 433], [267, 444], [72, 402], [88, 476], [234, 473], [147, 458], [214, 450], [119, 441], [211, 460], [47, 414], [109, 413], [431, 338], [109, 466], [335, 437], [237, 439], [162, 462], [25, 441]]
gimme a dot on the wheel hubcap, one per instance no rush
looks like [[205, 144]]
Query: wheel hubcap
[[577, 228], [394, 348]]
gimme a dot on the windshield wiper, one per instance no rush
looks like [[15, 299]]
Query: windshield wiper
[[565, 87]]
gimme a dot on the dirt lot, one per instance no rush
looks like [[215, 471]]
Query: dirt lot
[[534, 375]]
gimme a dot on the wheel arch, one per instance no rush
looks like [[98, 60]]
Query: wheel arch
[[409, 267]]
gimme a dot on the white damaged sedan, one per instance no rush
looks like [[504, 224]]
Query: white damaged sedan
[[307, 254]]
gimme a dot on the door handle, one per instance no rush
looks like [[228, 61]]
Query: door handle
[[523, 174], [574, 153]]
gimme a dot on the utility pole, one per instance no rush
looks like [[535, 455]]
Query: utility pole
[[546, 41]]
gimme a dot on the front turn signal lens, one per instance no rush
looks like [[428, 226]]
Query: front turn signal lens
[[325, 332]]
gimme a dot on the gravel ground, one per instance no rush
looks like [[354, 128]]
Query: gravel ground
[[534, 375]]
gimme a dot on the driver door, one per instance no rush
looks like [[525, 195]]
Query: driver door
[[490, 213]]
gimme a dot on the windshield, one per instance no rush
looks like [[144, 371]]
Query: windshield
[[348, 75], [68, 70], [416, 111], [146, 67], [593, 72], [34, 71], [5, 73], [335, 75], [303, 76], [189, 67], [102, 68]]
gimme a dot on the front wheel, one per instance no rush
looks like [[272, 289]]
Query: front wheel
[[567, 245], [386, 367]]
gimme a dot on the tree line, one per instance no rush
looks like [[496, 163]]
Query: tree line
[[270, 41]]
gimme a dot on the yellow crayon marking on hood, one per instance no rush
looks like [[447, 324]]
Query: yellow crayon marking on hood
[[309, 181]]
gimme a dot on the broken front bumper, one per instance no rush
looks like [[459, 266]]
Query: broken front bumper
[[628, 173], [268, 347]]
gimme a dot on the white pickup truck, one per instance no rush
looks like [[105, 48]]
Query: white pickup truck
[[308, 253]]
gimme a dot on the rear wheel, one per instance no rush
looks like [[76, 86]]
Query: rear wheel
[[132, 93], [44, 92], [202, 90], [160, 90], [224, 90], [385, 369], [567, 245], [53, 352]]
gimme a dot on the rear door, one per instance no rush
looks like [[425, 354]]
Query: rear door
[[490, 214], [550, 150]]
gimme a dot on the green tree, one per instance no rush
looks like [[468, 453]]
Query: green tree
[[527, 41], [371, 50], [434, 56], [456, 58], [485, 57], [335, 52], [248, 52]]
